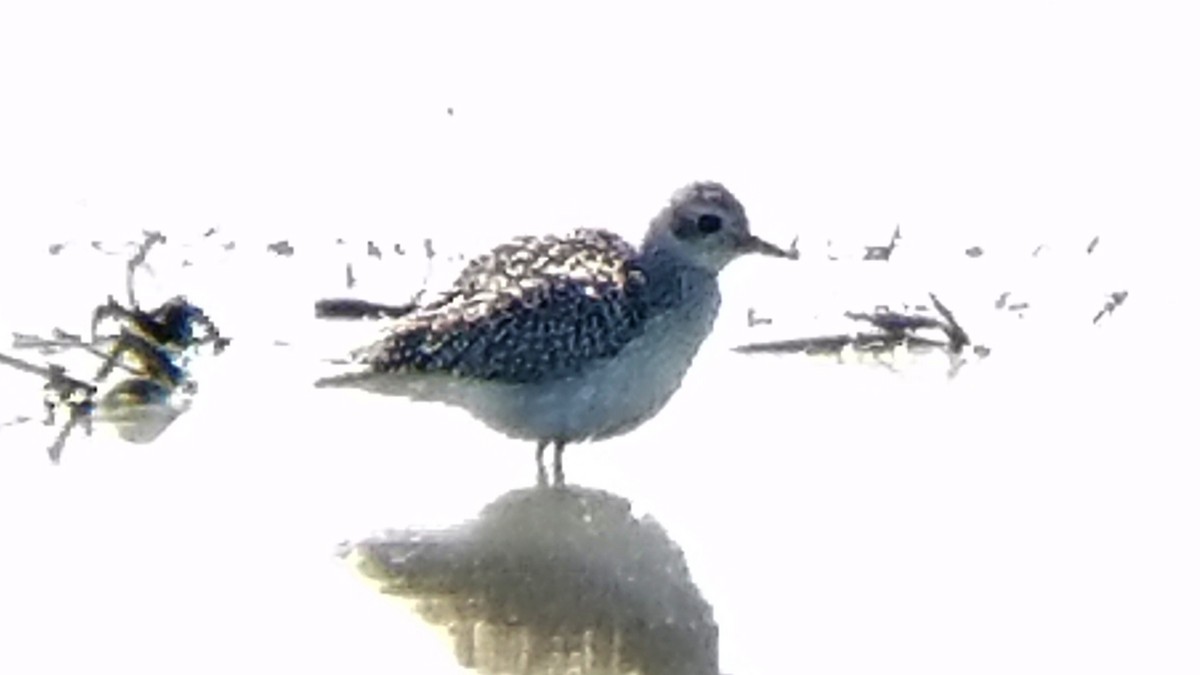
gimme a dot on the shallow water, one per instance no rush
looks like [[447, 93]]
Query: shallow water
[[1035, 513], [831, 515]]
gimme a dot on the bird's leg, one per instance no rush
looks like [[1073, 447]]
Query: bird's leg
[[541, 466], [559, 478]]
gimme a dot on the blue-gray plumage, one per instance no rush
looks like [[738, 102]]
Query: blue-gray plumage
[[564, 339]]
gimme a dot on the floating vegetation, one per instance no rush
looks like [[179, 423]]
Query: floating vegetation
[[1115, 300], [151, 349], [883, 253], [352, 308], [889, 331]]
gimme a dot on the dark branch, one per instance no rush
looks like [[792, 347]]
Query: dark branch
[[351, 308]]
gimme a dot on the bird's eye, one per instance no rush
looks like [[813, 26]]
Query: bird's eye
[[708, 223]]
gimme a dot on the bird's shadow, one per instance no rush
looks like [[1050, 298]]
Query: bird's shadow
[[552, 579]]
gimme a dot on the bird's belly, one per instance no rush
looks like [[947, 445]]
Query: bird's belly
[[609, 398]]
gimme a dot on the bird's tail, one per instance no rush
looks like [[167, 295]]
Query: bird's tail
[[353, 377]]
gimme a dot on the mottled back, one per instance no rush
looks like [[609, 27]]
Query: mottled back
[[534, 309]]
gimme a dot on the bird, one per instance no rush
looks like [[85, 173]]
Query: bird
[[565, 339]]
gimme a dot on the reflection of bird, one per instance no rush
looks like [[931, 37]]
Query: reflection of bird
[[553, 581], [564, 339]]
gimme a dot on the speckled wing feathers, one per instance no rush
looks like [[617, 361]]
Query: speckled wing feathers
[[533, 309]]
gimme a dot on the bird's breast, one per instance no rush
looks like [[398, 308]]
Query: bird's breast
[[618, 394]]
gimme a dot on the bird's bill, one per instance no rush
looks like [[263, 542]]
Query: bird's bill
[[752, 244]]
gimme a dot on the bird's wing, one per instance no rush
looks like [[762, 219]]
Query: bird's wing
[[534, 309]]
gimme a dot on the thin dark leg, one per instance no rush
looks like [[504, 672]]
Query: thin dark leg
[[541, 452], [559, 478]]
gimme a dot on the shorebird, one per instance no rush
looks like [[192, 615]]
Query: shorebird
[[563, 339]]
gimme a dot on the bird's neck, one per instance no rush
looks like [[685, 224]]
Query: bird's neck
[[672, 280]]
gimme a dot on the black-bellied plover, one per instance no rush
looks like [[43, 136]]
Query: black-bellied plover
[[565, 339]]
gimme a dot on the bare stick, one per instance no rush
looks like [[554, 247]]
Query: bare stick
[[138, 260], [954, 332], [55, 375], [63, 340], [351, 308], [79, 414]]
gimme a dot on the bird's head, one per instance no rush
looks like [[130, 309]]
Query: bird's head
[[704, 225]]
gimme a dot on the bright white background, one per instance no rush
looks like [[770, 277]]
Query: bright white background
[[1037, 514]]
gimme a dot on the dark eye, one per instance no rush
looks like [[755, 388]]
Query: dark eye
[[708, 223]]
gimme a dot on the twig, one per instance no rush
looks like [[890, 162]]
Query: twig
[[80, 413], [63, 340], [957, 336], [883, 253], [1115, 300], [55, 375], [63, 387], [895, 322], [138, 260], [351, 308], [893, 329], [19, 419]]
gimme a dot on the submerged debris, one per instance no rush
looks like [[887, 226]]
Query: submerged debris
[[753, 319], [891, 330], [1002, 302], [281, 247], [1114, 301], [954, 332], [883, 253], [352, 308], [59, 387]]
